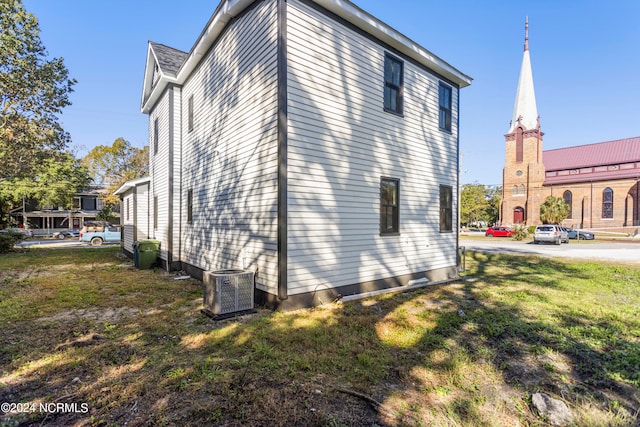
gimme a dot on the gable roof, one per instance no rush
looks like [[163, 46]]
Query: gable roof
[[229, 9], [603, 153], [169, 59], [604, 161]]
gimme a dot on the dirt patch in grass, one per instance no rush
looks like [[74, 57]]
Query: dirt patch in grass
[[120, 346]]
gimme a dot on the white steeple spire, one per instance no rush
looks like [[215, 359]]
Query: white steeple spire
[[525, 111]]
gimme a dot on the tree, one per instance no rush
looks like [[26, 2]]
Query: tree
[[33, 91], [473, 203], [554, 210], [494, 199], [116, 164], [54, 182], [479, 203]]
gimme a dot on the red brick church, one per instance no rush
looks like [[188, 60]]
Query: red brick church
[[598, 181]]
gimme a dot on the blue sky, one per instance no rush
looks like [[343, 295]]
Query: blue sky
[[585, 56]]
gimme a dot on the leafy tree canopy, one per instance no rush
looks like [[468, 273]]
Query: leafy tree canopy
[[33, 91], [554, 210], [116, 164], [479, 203], [55, 183]]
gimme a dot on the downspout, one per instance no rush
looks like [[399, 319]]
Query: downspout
[[170, 180], [591, 207], [283, 293]]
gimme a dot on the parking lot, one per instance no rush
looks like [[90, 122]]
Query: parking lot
[[620, 251]]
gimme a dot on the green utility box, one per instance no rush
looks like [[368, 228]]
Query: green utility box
[[147, 253]]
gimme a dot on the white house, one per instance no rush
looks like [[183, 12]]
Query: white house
[[308, 141], [134, 212]]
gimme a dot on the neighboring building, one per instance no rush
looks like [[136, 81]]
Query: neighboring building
[[44, 220], [599, 181], [307, 141], [134, 212]]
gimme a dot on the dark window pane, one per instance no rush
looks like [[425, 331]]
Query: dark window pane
[[444, 101], [389, 206], [393, 80], [446, 208]]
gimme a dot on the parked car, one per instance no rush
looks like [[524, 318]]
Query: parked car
[[67, 234], [499, 232], [24, 231], [584, 235], [99, 234], [550, 233]]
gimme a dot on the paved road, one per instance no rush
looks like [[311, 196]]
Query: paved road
[[59, 244], [606, 250]]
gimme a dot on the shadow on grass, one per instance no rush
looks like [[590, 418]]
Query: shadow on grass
[[468, 353]]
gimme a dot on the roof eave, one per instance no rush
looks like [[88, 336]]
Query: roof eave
[[393, 38], [229, 9]]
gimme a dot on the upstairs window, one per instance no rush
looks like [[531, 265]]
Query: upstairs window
[[393, 82], [389, 206], [155, 136], [446, 208], [519, 144], [190, 114], [607, 203], [444, 101]]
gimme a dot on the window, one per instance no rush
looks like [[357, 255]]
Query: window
[[519, 144], [607, 203], [568, 200], [190, 113], [515, 190], [444, 100], [190, 206], [522, 189], [155, 212], [155, 136], [446, 208], [128, 209], [393, 81], [389, 206]]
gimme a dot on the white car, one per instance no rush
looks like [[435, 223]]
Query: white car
[[550, 233]]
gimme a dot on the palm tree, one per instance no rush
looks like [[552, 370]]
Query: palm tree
[[554, 210]]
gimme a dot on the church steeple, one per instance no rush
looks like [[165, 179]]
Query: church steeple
[[525, 111]]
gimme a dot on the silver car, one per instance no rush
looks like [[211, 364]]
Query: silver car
[[550, 233]]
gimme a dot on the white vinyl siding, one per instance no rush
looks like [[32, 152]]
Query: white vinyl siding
[[230, 158], [142, 211], [159, 167], [340, 142]]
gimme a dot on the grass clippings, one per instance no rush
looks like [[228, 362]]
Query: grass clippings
[[100, 343]]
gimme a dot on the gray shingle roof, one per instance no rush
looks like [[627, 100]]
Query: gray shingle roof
[[169, 59]]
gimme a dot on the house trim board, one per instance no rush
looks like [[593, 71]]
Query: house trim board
[[324, 296], [170, 181], [321, 9], [282, 149]]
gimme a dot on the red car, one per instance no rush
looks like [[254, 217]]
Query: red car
[[499, 232]]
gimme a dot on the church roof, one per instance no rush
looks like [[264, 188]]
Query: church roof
[[608, 160], [600, 154]]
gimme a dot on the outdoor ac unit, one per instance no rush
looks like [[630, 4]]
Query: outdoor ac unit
[[227, 292]]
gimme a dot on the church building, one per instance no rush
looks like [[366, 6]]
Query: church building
[[598, 181]]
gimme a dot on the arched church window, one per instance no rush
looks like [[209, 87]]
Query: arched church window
[[519, 144], [607, 203], [515, 190], [522, 189], [568, 200]]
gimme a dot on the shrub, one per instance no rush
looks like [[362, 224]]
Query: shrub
[[8, 239], [521, 232]]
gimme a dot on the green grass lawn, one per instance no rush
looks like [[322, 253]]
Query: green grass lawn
[[82, 326]]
